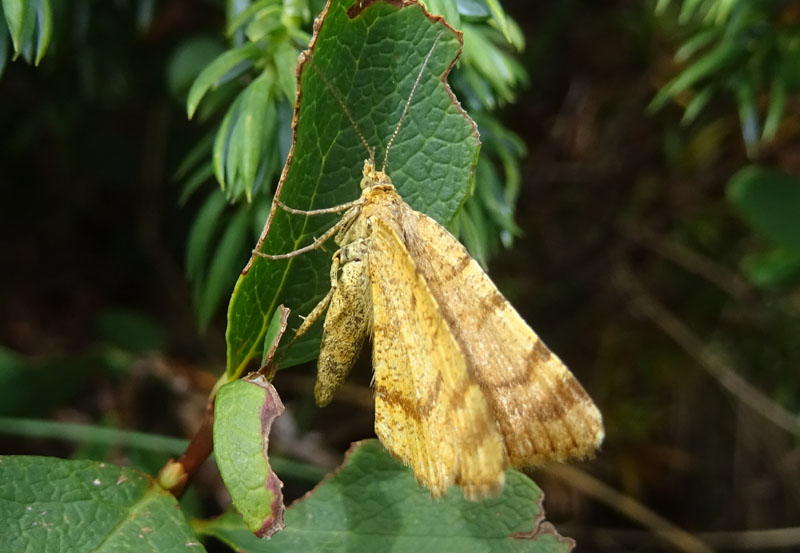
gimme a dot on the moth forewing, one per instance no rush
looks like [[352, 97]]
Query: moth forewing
[[543, 412], [348, 321], [428, 411]]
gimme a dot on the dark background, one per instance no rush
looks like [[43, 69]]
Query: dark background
[[627, 267]]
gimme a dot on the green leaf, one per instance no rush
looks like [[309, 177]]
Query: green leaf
[[475, 10], [222, 141], [777, 104], [193, 182], [202, 233], [275, 330], [33, 386], [16, 12], [243, 415], [447, 9], [696, 43], [249, 12], [371, 60], [31, 25], [472, 229], [195, 156], [373, 503], [723, 56], [266, 24], [777, 267], [222, 271], [285, 57], [130, 330], [688, 9], [4, 42], [226, 66], [51, 504], [696, 105], [258, 121], [769, 200], [44, 20], [495, 66], [489, 190], [188, 60], [502, 21]]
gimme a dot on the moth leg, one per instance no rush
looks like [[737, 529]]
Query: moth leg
[[334, 209], [344, 222], [320, 308], [347, 323]]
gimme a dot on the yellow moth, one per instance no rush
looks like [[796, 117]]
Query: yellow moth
[[463, 387]]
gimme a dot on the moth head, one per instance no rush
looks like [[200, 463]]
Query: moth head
[[372, 177]]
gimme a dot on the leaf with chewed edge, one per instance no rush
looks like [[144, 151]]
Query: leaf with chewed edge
[[243, 415], [373, 503], [369, 56]]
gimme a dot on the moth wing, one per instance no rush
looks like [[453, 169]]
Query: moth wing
[[543, 412], [346, 325], [428, 411]]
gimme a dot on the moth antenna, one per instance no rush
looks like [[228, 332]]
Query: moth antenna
[[346, 111], [408, 102]]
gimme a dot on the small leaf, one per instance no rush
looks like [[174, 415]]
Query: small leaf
[[44, 21], [447, 9], [267, 23], [777, 104], [748, 114], [194, 157], [226, 66], [769, 200], [194, 181], [250, 11], [474, 9], [16, 13], [502, 21], [222, 272], [696, 43], [33, 386], [286, 68], [202, 233], [696, 105], [222, 142], [470, 229], [719, 58], [258, 119], [275, 330], [243, 415], [4, 42], [188, 60], [130, 330], [496, 67], [30, 31], [688, 9], [777, 267], [51, 504], [373, 502]]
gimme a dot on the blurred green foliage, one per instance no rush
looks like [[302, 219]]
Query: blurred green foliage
[[744, 49]]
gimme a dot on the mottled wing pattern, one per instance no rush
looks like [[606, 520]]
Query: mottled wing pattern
[[347, 321], [428, 411], [542, 411]]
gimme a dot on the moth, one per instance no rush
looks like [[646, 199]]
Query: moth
[[463, 386]]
